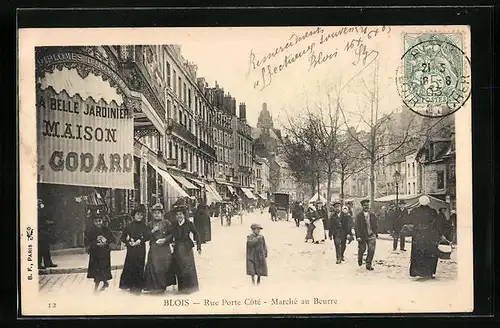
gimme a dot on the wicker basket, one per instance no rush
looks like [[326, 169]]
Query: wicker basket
[[444, 251]]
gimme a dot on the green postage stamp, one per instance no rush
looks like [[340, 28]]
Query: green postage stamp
[[434, 77]]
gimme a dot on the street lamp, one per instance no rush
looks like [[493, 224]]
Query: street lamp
[[397, 178]]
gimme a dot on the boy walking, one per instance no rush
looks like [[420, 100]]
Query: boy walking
[[256, 254]]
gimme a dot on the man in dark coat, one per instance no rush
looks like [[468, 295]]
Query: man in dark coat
[[338, 230], [273, 211], [399, 220], [202, 222], [45, 227], [366, 234]]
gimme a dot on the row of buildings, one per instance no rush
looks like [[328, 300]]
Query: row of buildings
[[189, 139], [428, 167]]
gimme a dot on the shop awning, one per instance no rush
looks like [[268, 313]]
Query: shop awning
[[214, 192], [169, 180], [231, 189], [223, 182], [248, 193], [263, 196], [390, 198], [212, 195], [196, 181], [183, 181]]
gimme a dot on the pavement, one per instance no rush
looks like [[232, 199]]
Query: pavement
[[76, 260], [295, 268]]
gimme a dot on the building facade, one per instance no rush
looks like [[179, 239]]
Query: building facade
[[413, 172], [261, 176], [437, 160], [244, 153], [172, 145]]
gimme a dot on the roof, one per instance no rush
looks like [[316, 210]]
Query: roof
[[444, 152]]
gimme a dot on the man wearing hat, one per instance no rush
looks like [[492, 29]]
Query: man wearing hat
[[400, 219], [45, 227], [366, 234], [339, 230]]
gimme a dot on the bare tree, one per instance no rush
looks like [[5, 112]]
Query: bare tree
[[380, 139], [300, 150], [349, 161]]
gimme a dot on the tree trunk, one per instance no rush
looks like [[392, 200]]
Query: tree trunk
[[372, 182], [313, 187], [328, 193], [342, 181], [318, 185]]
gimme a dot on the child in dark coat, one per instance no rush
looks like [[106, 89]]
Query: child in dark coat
[[256, 254], [97, 243]]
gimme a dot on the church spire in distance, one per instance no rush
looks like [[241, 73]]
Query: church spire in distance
[[265, 120]]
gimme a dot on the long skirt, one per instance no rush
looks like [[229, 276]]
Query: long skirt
[[99, 267], [208, 230], [424, 256], [319, 232], [133, 269], [185, 268], [309, 232], [204, 229], [159, 272]]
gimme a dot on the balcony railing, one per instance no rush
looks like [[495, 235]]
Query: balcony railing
[[207, 149], [173, 126]]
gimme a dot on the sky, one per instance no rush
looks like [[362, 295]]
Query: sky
[[311, 64]]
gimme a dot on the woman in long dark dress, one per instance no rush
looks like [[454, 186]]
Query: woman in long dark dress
[[202, 223], [135, 236], [425, 239], [97, 243], [187, 277], [159, 272]]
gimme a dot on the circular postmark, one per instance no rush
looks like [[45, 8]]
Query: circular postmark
[[434, 79]]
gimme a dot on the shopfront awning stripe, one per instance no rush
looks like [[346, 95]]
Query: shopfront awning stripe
[[183, 181], [248, 193], [214, 192], [169, 180], [230, 188]]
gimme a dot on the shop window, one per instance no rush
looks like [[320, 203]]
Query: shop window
[[175, 84], [170, 150], [452, 171], [180, 86], [440, 180], [169, 83]]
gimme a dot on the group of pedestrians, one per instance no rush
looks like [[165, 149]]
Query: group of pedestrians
[[170, 260], [428, 229]]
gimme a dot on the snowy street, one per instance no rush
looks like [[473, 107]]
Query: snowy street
[[297, 270]]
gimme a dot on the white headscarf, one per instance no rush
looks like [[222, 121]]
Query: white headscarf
[[424, 200]]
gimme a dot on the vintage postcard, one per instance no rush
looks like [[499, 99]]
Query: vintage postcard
[[246, 170]]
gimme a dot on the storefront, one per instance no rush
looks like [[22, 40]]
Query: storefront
[[85, 139]]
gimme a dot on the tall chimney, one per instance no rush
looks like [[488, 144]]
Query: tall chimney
[[243, 111]]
